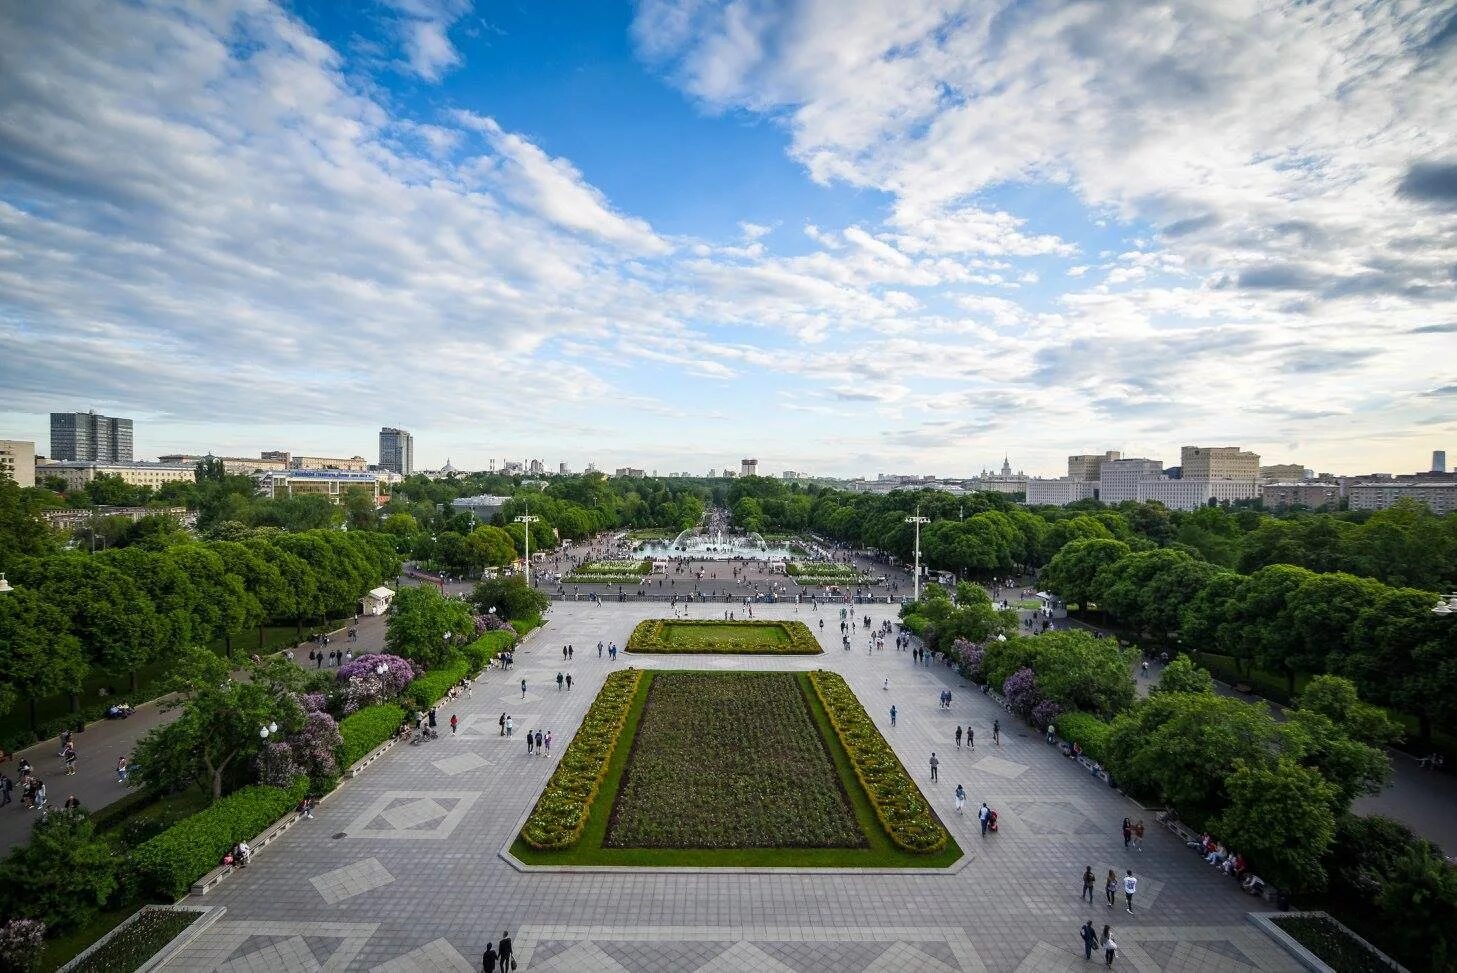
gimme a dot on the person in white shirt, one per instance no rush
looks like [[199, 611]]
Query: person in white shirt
[[1130, 886]]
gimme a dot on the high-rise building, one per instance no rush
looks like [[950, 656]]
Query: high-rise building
[[748, 467], [1086, 467], [396, 451], [91, 437], [1439, 461], [1219, 463], [17, 461], [535, 468], [562, 469], [1118, 479], [1060, 493]]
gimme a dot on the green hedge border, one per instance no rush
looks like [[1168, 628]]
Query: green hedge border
[[560, 814], [902, 809], [648, 638], [368, 728]]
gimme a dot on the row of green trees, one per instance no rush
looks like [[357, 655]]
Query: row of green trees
[[1281, 618], [984, 534], [119, 610]]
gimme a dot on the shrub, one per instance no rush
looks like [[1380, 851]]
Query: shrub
[[364, 685], [21, 942], [63, 876], [899, 804], [424, 692], [368, 728], [168, 864], [1020, 690], [1087, 731], [916, 624], [479, 653], [1045, 713], [561, 812]]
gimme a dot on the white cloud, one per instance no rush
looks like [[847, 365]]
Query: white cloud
[[423, 27]]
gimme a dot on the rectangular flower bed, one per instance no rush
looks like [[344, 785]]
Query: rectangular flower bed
[[661, 635], [730, 760]]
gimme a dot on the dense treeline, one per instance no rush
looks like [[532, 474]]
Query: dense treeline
[[982, 535]]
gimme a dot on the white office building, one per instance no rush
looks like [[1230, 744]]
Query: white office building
[[1059, 492], [1118, 479], [1193, 494]]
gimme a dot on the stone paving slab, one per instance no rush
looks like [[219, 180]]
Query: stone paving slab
[[1016, 900]]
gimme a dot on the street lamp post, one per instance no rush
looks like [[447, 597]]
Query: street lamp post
[[528, 520], [918, 520], [5, 586], [1444, 608]]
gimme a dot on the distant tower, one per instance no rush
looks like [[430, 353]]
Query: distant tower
[[1439, 461], [1006, 466], [749, 467], [396, 450]]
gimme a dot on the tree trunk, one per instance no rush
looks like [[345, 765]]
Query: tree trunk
[[32, 712], [133, 678], [260, 635], [1290, 682], [75, 702]]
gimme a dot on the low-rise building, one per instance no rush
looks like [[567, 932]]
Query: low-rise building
[[1284, 473], [483, 507], [277, 484], [70, 518], [1313, 494], [1060, 492], [78, 473], [233, 465], [17, 461], [1191, 494], [1439, 495], [295, 462]]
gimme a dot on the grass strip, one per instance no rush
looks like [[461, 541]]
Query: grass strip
[[721, 636]]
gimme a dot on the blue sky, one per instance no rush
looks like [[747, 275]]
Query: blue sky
[[844, 237]]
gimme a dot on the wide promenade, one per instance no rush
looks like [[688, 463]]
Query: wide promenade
[[400, 870]]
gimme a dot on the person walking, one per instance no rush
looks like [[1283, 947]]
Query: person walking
[[454, 722], [1127, 832], [970, 738], [121, 769], [523, 688], [599, 650], [6, 786], [70, 758], [1110, 948], [488, 959], [892, 715], [503, 952], [503, 724], [1138, 835], [997, 732], [548, 742], [559, 679], [1130, 888], [1090, 939], [934, 765], [510, 725], [960, 798], [1089, 880], [984, 815], [1110, 888], [569, 682], [958, 736]]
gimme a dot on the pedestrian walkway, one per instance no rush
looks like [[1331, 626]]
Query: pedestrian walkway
[[401, 868]]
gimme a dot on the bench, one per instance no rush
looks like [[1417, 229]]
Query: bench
[[1243, 687], [209, 881]]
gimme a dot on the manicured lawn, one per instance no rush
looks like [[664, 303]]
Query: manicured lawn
[[878, 851], [661, 635], [729, 760]]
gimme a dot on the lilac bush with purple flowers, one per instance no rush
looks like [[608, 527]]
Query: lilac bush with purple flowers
[[310, 752], [1045, 714], [313, 702], [21, 943], [1020, 690], [490, 622], [362, 685], [969, 656]]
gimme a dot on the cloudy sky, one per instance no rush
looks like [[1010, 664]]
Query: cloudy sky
[[845, 236]]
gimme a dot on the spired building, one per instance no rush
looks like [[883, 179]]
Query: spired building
[[396, 451], [90, 437]]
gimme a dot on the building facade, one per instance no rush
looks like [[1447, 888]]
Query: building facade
[[1059, 492], [1440, 496], [357, 464], [277, 484], [483, 507], [1087, 467], [78, 473], [1218, 463], [17, 461], [90, 437], [70, 518], [1314, 494], [1283, 473], [232, 465], [1187, 494], [748, 467], [1118, 479], [396, 451]]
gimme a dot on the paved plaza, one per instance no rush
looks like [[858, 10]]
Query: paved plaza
[[401, 868]]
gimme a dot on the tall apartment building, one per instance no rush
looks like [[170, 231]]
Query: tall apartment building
[[748, 467], [396, 450], [1087, 467], [1118, 479], [1439, 461], [1314, 494], [1219, 463], [17, 461], [91, 437]]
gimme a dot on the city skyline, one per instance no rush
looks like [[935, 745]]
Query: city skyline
[[842, 238]]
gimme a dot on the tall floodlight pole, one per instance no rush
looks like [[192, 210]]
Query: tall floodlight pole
[[918, 520], [528, 520]]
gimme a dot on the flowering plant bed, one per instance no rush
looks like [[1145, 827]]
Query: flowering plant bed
[[661, 635], [684, 804], [135, 942], [820, 573], [729, 760], [902, 809], [1334, 944]]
